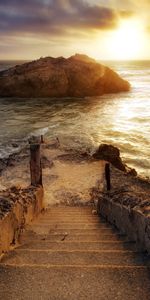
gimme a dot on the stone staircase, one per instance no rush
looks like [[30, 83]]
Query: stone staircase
[[69, 253]]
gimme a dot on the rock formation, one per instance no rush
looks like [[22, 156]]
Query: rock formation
[[77, 76], [110, 154]]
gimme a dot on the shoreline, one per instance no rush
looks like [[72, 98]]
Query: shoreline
[[23, 153], [56, 157], [68, 176]]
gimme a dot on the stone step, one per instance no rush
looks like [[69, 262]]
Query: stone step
[[62, 258], [75, 215], [69, 253], [74, 212], [68, 231], [70, 214], [73, 222], [73, 209], [72, 237], [69, 209], [72, 283], [70, 221], [104, 245], [72, 217], [70, 226]]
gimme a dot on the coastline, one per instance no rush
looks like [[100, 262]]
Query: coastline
[[56, 162], [76, 154], [119, 119]]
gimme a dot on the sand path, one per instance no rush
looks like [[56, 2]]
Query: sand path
[[67, 178]]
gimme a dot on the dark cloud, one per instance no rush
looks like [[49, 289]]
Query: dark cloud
[[53, 16]]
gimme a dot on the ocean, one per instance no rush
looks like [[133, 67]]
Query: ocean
[[122, 120]]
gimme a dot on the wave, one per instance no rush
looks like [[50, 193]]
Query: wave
[[119, 119]]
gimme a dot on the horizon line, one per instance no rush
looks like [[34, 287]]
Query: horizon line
[[111, 60]]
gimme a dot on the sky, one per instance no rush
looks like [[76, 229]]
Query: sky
[[103, 29]]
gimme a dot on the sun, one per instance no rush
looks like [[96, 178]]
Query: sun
[[127, 41]]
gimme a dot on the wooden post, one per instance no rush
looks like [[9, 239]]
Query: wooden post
[[42, 139], [35, 165], [107, 176]]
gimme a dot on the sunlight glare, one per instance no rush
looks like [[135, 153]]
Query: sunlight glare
[[126, 42]]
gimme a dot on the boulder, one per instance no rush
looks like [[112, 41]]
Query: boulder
[[110, 154], [77, 76]]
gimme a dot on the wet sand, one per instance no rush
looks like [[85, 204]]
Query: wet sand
[[68, 177]]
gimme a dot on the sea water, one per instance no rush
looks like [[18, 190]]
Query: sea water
[[122, 120]]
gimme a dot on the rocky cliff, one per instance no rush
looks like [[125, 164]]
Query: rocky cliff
[[77, 76]]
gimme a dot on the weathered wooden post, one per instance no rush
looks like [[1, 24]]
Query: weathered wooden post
[[35, 164], [42, 139], [107, 176]]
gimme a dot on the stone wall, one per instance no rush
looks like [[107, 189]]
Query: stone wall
[[132, 221], [20, 207]]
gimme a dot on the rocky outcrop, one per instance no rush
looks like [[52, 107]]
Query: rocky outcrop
[[110, 154], [77, 76]]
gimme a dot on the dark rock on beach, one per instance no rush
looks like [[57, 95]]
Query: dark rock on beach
[[110, 154], [77, 76]]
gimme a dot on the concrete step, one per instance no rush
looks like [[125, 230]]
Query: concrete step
[[68, 231], [104, 245], [72, 231], [72, 237], [71, 220], [72, 283], [71, 226], [70, 213], [77, 258], [70, 254], [69, 209], [74, 215], [88, 223]]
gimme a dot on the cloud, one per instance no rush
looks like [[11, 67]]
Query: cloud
[[54, 16], [126, 13]]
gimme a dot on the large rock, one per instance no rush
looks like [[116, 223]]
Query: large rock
[[77, 76], [110, 154]]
